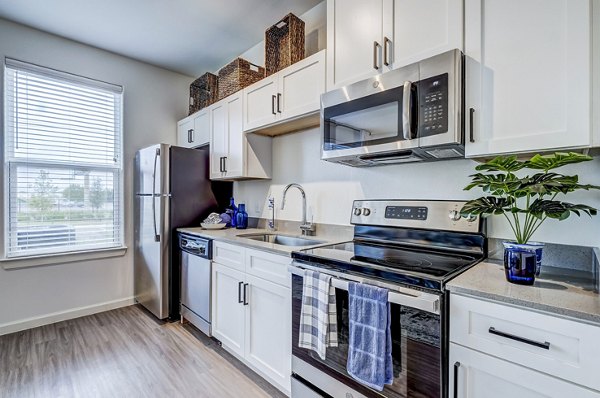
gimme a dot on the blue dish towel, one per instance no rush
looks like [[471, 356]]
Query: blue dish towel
[[370, 345]]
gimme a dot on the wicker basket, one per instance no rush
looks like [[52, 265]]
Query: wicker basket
[[204, 91], [284, 44], [238, 74]]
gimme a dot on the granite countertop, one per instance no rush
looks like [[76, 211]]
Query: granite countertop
[[556, 291], [232, 235]]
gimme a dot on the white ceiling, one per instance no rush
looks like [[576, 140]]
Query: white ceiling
[[186, 36]]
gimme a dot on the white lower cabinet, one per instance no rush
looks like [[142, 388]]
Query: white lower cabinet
[[251, 315], [268, 328], [227, 307], [478, 375], [498, 350]]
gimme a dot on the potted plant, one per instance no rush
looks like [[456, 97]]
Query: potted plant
[[526, 201]]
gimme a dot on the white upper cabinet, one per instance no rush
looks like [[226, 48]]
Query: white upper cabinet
[[356, 31], [194, 130], [260, 102], [287, 95], [233, 154], [425, 28], [529, 75], [184, 131]]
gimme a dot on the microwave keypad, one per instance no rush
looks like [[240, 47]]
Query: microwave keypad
[[433, 110]]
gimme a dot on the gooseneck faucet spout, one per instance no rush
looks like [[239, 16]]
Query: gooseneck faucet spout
[[306, 227]]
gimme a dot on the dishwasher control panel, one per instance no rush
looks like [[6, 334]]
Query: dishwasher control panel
[[195, 245]]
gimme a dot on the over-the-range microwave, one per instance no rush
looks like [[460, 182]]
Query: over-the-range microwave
[[414, 113]]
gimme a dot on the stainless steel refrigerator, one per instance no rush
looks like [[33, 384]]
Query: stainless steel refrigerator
[[172, 190]]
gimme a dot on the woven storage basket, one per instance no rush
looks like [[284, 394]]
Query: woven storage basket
[[204, 91], [284, 44], [238, 74]]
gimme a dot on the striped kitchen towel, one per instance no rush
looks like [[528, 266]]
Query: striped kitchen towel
[[318, 316]]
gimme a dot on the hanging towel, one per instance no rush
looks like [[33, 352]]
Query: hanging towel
[[318, 318], [370, 345]]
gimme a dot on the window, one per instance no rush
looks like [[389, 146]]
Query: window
[[63, 166]]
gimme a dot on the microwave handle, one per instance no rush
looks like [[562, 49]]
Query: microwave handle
[[406, 111], [407, 297]]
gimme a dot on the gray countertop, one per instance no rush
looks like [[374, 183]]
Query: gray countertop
[[232, 235], [556, 291]]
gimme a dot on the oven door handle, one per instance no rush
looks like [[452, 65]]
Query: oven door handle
[[397, 295]]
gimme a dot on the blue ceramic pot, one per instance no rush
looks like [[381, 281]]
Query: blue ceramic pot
[[522, 262]]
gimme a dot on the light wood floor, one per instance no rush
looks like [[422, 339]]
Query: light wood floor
[[122, 353]]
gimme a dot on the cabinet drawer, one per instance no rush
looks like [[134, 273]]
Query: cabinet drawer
[[230, 255], [479, 375], [271, 267], [556, 346]]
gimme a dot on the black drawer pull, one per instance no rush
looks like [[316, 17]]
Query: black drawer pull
[[545, 345], [456, 366]]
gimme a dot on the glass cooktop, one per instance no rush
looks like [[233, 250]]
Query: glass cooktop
[[402, 264]]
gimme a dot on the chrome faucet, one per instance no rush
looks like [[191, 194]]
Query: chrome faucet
[[307, 228], [271, 224]]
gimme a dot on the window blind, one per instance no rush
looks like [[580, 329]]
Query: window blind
[[63, 162]]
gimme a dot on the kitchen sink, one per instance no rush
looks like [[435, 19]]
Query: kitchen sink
[[284, 240]]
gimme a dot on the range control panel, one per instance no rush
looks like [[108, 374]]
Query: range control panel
[[433, 105], [428, 214], [406, 212]]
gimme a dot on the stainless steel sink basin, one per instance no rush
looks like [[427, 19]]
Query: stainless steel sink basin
[[283, 240]]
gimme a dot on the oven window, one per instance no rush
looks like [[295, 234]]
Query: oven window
[[416, 349], [371, 120]]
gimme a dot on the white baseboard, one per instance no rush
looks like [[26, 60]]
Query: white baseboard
[[54, 317]]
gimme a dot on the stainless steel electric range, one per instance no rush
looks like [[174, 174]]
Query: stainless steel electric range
[[412, 248]]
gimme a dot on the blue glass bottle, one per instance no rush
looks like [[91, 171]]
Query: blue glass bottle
[[232, 210], [241, 218]]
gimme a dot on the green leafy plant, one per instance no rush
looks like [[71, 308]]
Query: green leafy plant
[[527, 201]]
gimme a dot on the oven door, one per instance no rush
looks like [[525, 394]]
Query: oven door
[[417, 346]]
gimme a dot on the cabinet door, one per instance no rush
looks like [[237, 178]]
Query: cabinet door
[[228, 319], [201, 133], [260, 103], [185, 128], [480, 375], [268, 329], [218, 139], [301, 86], [234, 161], [355, 31], [528, 86], [425, 28]]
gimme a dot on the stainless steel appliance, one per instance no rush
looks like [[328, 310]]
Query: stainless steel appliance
[[195, 280], [412, 248], [172, 190], [414, 113]]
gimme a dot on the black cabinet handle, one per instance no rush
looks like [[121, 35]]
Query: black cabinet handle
[[545, 345], [279, 102], [224, 164], [456, 366], [245, 294], [190, 131], [273, 98], [240, 292], [221, 164], [471, 124]]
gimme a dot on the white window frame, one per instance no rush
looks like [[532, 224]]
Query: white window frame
[[77, 254]]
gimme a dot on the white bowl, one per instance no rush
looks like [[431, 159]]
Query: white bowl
[[213, 226]]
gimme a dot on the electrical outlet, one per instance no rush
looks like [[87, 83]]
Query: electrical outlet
[[257, 208]]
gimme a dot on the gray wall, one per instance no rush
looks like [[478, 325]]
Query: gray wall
[[154, 99]]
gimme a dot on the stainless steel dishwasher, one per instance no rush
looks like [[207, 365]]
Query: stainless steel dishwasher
[[196, 257]]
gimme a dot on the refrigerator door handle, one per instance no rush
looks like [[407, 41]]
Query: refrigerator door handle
[[156, 234]]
